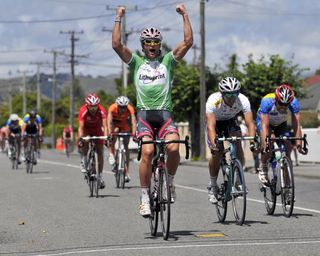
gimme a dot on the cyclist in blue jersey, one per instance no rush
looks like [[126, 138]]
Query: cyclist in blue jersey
[[153, 77], [14, 124], [272, 118], [32, 124]]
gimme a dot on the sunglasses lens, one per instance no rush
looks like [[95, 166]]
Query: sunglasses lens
[[151, 42], [231, 94]]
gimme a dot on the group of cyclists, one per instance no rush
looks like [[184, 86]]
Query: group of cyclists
[[30, 124], [153, 78]]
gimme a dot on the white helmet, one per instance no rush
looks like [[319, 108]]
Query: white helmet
[[122, 101], [229, 84], [14, 117], [150, 33]]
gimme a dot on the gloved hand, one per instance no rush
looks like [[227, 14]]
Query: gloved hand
[[302, 150], [80, 143], [214, 149]]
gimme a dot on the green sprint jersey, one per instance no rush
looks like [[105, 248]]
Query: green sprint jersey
[[153, 81]]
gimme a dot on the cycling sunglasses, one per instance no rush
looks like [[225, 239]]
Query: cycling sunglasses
[[151, 42], [230, 94], [282, 104], [93, 107]]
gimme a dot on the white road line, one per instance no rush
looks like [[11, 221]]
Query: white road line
[[166, 247], [180, 186]]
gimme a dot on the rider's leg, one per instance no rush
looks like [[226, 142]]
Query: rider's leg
[[145, 173], [84, 151]]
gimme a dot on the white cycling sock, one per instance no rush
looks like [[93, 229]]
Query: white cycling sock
[[170, 179], [144, 194]]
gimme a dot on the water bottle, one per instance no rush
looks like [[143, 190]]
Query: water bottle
[[226, 169]]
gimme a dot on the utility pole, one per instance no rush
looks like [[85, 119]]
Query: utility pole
[[72, 62], [10, 93], [124, 37], [53, 91], [38, 64], [202, 82], [24, 90]]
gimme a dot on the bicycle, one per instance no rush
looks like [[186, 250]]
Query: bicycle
[[160, 195], [280, 175], [30, 151], [15, 151], [92, 176], [120, 166], [232, 186]]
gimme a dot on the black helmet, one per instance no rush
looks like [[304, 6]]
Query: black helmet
[[33, 114]]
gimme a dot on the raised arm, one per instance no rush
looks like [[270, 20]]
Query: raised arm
[[123, 52], [181, 49]]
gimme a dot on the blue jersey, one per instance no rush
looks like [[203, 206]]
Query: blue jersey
[[26, 119], [276, 118]]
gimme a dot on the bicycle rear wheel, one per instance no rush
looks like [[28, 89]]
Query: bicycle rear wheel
[[269, 192], [154, 206], [238, 193], [165, 200], [222, 204], [287, 192]]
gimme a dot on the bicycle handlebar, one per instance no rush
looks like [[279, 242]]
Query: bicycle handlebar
[[164, 142], [236, 138], [87, 138], [121, 134], [269, 141]]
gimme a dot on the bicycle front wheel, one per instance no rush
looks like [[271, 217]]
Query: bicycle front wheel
[[165, 200], [222, 204], [96, 181], [269, 192], [287, 187], [238, 193], [154, 205]]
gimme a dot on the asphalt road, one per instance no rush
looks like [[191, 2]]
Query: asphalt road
[[49, 212]]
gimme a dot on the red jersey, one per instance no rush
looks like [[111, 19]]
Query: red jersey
[[67, 131], [120, 119], [92, 123]]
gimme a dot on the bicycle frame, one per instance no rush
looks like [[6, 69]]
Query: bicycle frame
[[282, 182], [92, 175], [121, 159], [233, 186], [160, 197], [30, 151]]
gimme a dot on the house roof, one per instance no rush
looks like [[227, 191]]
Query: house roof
[[312, 89]]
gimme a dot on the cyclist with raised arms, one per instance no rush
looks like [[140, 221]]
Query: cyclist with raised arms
[[153, 77], [92, 121], [272, 118], [222, 109], [120, 114]]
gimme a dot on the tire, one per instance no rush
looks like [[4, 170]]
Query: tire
[[287, 177], [67, 144], [96, 177], [154, 206], [117, 170], [91, 171], [165, 201], [222, 204], [122, 168], [16, 163], [269, 192], [238, 193]]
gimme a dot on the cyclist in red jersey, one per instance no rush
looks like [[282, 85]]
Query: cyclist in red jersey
[[119, 114], [67, 137], [92, 121]]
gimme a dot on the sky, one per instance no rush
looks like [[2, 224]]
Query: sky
[[30, 29]]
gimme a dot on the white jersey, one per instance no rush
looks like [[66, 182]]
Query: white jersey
[[216, 105]]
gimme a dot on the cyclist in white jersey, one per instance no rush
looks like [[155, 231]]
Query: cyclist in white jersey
[[221, 110], [153, 77]]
